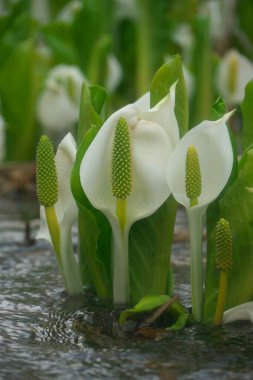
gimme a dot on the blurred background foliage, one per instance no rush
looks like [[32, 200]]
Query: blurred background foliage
[[118, 44]]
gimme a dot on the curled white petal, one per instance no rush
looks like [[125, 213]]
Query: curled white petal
[[65, 207], [239, 313], [212, 142]]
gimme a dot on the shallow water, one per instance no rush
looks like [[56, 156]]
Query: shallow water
[[45, 335]]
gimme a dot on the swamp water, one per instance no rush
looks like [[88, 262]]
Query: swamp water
[[44, 335]]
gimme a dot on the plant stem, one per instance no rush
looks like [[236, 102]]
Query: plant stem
[[54, 231], [221, 298], [121, 205], [70, 268], [195, 228], [120, 259]]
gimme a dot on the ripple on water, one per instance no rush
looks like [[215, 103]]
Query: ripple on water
[[45, 335]]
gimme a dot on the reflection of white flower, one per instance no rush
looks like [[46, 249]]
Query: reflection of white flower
[[66, 212], [153, 134], [2, 138], [239, 313], [58, 105], [234, 72]]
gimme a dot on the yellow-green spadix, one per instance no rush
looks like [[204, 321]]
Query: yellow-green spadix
[[66, 213], [153, 134]]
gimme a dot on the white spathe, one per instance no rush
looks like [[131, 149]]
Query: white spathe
[[65, 207], [58, 104], [239, 313], [154, 134], [212, 142], [243, 74]]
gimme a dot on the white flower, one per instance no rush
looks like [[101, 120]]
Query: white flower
[[58, 105], [153, 135], [66, 213], [234, 72], [239, 313], [211, 142]]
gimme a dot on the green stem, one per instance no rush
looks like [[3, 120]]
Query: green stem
[[120, 259], [70, 267], [221, 298], [121, 207], [54, 231], [195, 228]]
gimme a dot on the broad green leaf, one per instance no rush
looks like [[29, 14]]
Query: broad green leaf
[[150, 243], [169, 73], [247, 114], [236, 205], [20, 80], [94, 230]]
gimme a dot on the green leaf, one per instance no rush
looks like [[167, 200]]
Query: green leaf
[[98, 98], [180, 322], [247, 114], [20, 81], [236, 206], [92, 101], [168, 74], [218, 109], [202, 67], [150, 241], [94, 230], [146, 304]]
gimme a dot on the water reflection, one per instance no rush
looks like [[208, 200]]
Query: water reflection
[[45, 335]]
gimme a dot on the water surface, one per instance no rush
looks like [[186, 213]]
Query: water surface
[[41, 337]]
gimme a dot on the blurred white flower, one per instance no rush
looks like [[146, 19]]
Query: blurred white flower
[[40, 10], [234, 72], [114, 73], [2, 138], [68, 12], [125, 9], [183, 36], [58, 104]]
